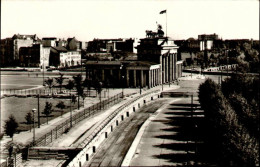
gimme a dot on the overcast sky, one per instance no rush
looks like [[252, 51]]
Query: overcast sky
[[90, 19]]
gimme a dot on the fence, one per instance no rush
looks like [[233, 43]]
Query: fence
[[89, 145], [69, 122], [65, 126], [54, 92], [109, 118]]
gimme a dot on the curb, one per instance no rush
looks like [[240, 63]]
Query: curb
[[132, 151]]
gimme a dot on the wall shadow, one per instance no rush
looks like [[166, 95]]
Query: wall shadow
[[187, 144]]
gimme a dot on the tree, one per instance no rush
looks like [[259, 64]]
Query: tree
[[47, 110], [184, 64], [73, 99], [228, 125], [10, 126], [87, 83], [70, 85], [61, 106], [29, 118], [60, 80], [212, 59], [97, 84], [79, 86], [49, 83], [206, 59]]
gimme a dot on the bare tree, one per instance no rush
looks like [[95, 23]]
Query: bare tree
[[49, 83], [60, 80]]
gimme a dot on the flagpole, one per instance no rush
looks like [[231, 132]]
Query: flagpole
[[166, 22]]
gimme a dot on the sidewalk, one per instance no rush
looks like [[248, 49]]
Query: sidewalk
[[159, 142], [26, 137], [163, 141]]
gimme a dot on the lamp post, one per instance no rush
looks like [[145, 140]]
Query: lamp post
[[43, 71], [227, 62], [100, 90], [33, 111], [70, 111], [140, 86], [39, 123], [123, 86], [121, 69], [162, 80]]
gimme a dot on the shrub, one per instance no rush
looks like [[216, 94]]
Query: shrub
[[10, 126]]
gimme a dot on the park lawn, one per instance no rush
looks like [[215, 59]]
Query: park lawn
[[19, 107]]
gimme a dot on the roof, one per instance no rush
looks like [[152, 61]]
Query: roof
[[20, 36], [125, 63], [49, 38], [141, 63], [60, 49], [103, 63], [70, 39]]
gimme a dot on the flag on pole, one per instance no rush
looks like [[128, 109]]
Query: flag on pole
[[163, 11]]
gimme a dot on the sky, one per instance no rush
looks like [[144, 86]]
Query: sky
[[89, 19]]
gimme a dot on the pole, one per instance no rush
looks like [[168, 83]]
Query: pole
[[221, 77], [227, 63], [70, 111], [122, 87], [43, 73], [162, 80], [166, 22], [33, 130], [33, 111], [78, 101], [39, 111], [100, 100], [191, 105]]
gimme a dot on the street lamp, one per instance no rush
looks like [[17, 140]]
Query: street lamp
[[33, 111], [43, 83], [140, 84], [100, 90], [162, 79], [123, 86], [70, 110], [121, 69], [227, 62]]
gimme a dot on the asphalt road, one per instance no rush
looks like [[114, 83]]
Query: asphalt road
[[114, 148]]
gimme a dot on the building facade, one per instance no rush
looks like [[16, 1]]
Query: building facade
[[157, 63], [110, 45], [10, 48], [62, 57], [207, 41], [35, 56], [49, 41], [7, 51]]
